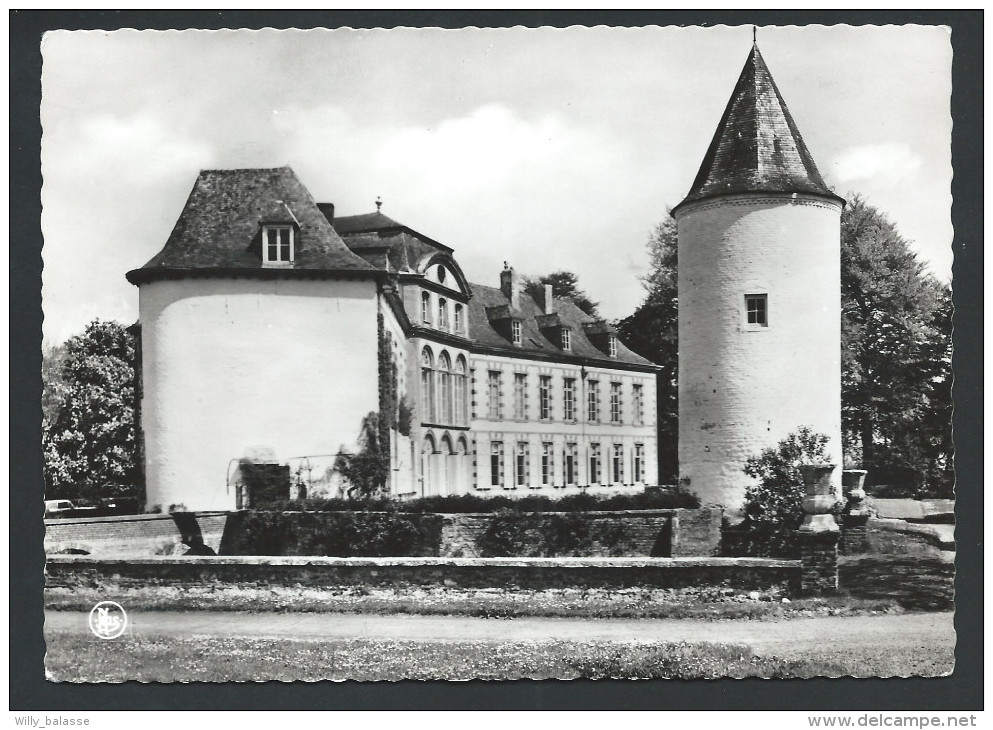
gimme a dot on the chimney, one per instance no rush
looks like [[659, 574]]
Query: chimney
[[549, 302], [510, 284]]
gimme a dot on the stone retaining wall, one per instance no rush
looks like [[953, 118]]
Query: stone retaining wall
[[738, 573], [660, 533]]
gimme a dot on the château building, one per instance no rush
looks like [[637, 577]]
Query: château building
[[270, 329]]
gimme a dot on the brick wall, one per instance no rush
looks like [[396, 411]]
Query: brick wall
[[739, 573]]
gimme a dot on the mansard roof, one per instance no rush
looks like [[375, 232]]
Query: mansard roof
[[535, 340], [220, 228], [757, 146]]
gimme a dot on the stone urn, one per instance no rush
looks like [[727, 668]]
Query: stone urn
[[853, 482], [819, 498]]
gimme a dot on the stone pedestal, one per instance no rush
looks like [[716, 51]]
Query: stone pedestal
[[819, 533]]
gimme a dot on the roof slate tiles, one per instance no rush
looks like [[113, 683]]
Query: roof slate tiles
[[220, 226], [757, 146]]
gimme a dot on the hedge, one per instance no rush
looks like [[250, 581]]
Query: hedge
[[650, 499]]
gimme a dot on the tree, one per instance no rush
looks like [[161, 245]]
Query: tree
[[89, 435], [652, 333], [896, 341], [565, 285]]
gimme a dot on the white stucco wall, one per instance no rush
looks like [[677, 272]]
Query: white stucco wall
[[233, 364], [742, 388]]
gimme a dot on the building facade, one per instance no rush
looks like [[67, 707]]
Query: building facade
[[759, 295], [271, 331]]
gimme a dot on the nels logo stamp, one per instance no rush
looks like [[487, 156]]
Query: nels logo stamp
[[108, 620]]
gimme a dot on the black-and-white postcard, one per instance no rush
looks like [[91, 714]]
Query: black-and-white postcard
[[587, 352]]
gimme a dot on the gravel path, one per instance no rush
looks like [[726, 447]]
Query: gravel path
[[924, 631]]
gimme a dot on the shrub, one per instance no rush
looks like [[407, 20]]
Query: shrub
[[650, 499], [340, 534], [506, 535], [773, 505]]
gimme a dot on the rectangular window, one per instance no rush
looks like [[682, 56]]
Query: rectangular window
[[545, 396], [522, 464], [618, 464], [592, 401], [612, 346], [547, 463], [639, 463], [615, 403], [569, 399], [458, 318], [496, 463], [594, 463], [443, 314], [516, 328], [520, 396], [571, 464], [757, 310], [639, 405], [278, 244], [566, 339], [494, 395]]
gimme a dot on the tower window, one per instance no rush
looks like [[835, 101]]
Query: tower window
[[757, 310]]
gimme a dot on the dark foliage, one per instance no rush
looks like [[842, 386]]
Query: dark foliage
[[565, 285], [652, 333], [665, 498], [89, 427], [337, 534], [897, 377], [773, 505]]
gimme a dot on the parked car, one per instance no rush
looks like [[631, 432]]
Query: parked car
[[55, 506]]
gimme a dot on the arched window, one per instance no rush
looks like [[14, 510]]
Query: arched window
[[461, 388], [427, 385], [425, 307], [443, 314], [445, 388], [459, 319]]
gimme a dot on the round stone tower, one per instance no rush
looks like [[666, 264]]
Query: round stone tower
[[759, 295]]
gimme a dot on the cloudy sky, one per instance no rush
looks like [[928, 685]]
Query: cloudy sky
[[547, 148]]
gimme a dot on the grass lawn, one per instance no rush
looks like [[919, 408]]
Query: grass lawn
[[76, 658]]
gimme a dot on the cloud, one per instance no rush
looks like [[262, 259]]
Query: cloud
[[110, 183], [493, 183], [887, 162]]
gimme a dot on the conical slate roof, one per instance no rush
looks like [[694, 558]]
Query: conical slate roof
[[757, 146]]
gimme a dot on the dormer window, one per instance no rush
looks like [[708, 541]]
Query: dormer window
[[517, 331], [277, 244], [612, 345], [566, 339]]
